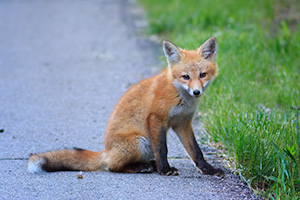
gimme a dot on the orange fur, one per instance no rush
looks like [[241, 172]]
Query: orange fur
[[136, 130]]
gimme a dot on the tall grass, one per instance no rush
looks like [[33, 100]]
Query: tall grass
[[248, 107]]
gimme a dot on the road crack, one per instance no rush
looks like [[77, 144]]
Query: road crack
[[14, 159]]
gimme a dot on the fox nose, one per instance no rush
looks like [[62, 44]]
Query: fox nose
[[196, 92]]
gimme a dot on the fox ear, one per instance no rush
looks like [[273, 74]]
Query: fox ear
[[208, 50], [172, 52]]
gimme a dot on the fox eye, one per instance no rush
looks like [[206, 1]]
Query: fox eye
[[186, 77], [202, 75]]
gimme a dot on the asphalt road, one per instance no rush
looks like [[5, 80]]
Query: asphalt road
[[63, 66]]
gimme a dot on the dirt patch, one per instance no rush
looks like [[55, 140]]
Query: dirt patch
[[288, 11]]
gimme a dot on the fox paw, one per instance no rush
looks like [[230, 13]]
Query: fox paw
[[219, 172], [172, 171], [209, 170], [147, 169], [212, 171]]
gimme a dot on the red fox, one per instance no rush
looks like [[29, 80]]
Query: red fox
[[135, 138]]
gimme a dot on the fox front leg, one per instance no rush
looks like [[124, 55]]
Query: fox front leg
[[186, 135], [158, 136]]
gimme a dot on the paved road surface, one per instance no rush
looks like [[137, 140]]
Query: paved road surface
[[63, 66]]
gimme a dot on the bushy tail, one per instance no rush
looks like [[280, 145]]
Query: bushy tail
[[67, 160]]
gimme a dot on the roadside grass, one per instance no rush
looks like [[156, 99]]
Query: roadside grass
[[248, 108]]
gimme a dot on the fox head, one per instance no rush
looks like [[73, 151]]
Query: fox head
[[192, 70]]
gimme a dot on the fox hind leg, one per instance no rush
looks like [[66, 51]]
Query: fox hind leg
[[139, 167], [122, 150], [130, 154]]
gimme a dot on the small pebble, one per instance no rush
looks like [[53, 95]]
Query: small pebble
[[79, 175]]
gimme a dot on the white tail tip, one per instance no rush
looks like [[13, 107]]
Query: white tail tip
[[35, 165]]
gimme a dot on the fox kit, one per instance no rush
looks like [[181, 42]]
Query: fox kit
[[135, 138]]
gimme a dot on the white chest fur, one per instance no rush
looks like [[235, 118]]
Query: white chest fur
[[187, 105]]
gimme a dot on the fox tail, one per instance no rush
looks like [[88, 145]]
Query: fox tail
[[67, 160]]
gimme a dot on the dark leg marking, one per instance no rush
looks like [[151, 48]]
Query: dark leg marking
[[162, 164]]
